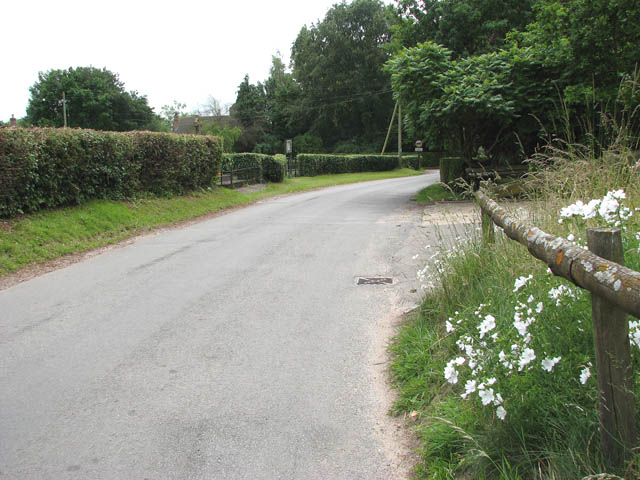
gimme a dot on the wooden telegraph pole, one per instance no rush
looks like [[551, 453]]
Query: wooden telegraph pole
[[399, 135], [393, 116], [64, 110]]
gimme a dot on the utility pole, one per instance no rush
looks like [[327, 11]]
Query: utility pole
[[386, 140], [64, 110], [399, 135]]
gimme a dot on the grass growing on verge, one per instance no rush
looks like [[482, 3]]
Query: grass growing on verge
[[51, 234], [499, 360], [436, 192]]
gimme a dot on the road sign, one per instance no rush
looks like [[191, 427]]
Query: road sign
[[418, 144], [418, 149]]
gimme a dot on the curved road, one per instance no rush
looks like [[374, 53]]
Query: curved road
[[239, 347]]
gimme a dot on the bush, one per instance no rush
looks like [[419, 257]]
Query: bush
[[307, 143], [451, 168], [311, 164], [47, 167]]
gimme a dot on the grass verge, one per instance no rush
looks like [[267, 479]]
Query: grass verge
[[47, 235], [498, 364], [436, 192]]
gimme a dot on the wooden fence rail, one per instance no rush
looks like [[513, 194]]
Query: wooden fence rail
[[615, 292]]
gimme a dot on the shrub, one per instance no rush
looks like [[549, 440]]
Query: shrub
[[307, 143], [312, 164]]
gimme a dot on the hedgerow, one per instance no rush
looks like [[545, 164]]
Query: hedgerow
[[47, 167], [255, 166], [316, 164], [274, 168]]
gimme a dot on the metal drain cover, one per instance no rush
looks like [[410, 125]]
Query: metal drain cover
[[374, 281]]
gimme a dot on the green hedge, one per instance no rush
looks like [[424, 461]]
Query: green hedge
[[274, 168], [451, 168], [172, 163], [255, 166], [47, 167], [316, 164]]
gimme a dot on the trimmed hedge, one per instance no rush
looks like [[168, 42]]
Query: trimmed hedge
[[274, 168], [316, 164], [451, 168], [176, 164], [48, 167], [259, 166]]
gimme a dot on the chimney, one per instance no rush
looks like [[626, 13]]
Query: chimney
[[175, 123], [12, 122]]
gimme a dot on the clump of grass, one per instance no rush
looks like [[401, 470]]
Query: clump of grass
[[544, 423]]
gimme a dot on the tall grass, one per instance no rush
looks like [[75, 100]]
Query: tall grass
[[544, 424]]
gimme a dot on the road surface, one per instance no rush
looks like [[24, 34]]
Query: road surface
[[239, 347]]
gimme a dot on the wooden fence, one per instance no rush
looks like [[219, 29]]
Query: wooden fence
[[615, 292]]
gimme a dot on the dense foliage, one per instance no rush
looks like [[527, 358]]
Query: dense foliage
[[95, 99], [44, 167], [549, 64], [311, 165]]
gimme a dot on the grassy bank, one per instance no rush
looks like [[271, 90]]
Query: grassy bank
[[497, 367], [47, 235], [435, 193]]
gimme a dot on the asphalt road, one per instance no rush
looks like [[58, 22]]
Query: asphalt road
[[238, 347]]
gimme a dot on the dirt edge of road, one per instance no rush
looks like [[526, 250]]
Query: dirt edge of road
[[400, 443]]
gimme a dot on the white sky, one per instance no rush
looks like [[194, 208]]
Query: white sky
[[182, 50]]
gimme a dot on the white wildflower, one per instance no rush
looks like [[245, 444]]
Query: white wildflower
[[584, 375], [521, 282], [487, 396], [469, 388], [488, 324], [549, 363], [528, 356], [450, 374], [501, 413]]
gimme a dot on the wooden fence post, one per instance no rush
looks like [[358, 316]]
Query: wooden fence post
[[613, 360]]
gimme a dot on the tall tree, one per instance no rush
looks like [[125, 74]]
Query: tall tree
[[95, 98], [250, 109], [465, 27], [338, 65], [283, 96]]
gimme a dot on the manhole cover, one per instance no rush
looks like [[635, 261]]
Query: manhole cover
[[375, 281]]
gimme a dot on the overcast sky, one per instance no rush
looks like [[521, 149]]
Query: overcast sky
[[183, 50]]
